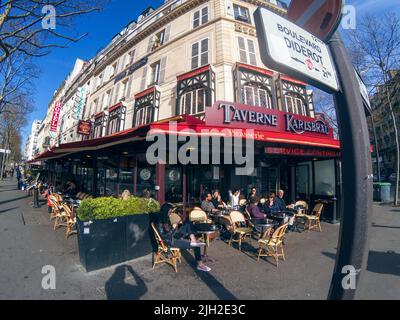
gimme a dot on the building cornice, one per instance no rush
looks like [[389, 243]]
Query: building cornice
[[124, 46]]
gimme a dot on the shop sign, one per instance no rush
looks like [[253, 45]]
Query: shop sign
[[302, 152], [251, 117], [287, 48], [80, 101], [84, 128], [56, 116]]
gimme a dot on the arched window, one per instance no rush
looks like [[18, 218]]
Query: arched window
[[256, 95], [295, 104]]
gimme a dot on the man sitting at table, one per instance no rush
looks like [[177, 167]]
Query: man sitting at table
[[217, 200], [280, 201], [253, 209], [207, 205], [174, 237]]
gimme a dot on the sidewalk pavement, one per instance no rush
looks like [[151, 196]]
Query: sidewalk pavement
[[28, 242]]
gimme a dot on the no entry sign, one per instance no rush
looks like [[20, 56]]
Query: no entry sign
[[320, 17], [287, 48]]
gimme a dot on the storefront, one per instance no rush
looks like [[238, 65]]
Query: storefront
[[295, 153]]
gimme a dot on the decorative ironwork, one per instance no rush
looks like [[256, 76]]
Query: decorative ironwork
[[293, 89], [194, 82], [116, 119], [147, 105], [258, 83]]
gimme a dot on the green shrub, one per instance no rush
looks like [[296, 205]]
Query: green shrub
[[107, 208]]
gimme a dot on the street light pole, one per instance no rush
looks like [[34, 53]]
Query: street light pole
[[396, 193], [356, 203]]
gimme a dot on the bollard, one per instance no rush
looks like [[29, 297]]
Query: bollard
[[36, 203]]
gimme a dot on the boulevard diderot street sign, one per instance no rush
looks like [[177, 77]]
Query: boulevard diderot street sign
[[287, 48]]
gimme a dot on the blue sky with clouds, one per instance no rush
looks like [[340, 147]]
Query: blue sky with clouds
[[104, 25]]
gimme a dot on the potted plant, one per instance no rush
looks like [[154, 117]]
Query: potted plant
[[111, 231]]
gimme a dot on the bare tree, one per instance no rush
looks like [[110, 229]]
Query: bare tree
[[324, 104], [375, 49], [10, 125], [32, 27], [16, 76]]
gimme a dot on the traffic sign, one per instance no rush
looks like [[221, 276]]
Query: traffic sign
[[320, 17], [287, 48], [364, 92]]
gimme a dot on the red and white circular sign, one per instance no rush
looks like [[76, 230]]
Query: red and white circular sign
[[319, 17]]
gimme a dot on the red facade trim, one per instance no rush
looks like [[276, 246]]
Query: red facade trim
[[119, 104], [290, 79], [193, 73], [256, 69], [98, 115], [145, 92]]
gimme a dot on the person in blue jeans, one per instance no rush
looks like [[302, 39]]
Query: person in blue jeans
[[174, 237]]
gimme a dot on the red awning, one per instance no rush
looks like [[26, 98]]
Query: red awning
[[185, 129]]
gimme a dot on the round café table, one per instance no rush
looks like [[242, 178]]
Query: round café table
[[201, 229], [264, 224]]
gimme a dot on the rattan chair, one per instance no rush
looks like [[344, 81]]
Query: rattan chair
[[56, 206], [239, 232], [165, 254], [70, 221], [272, 246], [198, 216], [313, 221]]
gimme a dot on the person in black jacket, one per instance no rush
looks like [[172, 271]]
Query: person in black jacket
[[174, 237]]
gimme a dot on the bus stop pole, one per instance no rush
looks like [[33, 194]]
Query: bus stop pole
[[356, 202]]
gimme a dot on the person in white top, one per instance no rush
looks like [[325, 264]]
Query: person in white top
[[234, 198]]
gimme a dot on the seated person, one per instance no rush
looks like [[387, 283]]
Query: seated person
[[175, 238], [253, 209], [271, 206], [234, 198], [253, 193], [217, 200], [207, 205]]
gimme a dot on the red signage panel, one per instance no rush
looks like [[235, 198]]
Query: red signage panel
[[55, 117], [235, 115], [84, 128], [302, 152]]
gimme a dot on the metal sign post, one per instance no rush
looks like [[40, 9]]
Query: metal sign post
[[357, 176], [275, 35]]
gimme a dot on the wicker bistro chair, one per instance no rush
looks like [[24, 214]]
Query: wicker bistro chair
[[313, 221], [239, 232], [56, 207], [165, 254], [70, 221], [198, 216], [273, 244]]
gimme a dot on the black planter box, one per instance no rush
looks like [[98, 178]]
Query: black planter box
[[103, 243]]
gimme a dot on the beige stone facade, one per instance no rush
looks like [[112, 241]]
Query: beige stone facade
[[144, 74]]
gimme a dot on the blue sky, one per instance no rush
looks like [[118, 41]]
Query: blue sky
[[104, 25]]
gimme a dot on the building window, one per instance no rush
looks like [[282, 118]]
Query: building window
[[295, 104], [113, 69], [98, 127], [106, 99], [155, 73], [116, 119], [158, 40], [131, 58], [241, 13], [256, 96], [247, 51], [200, 17], [193, 102], [146, 107], [200, 53]]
